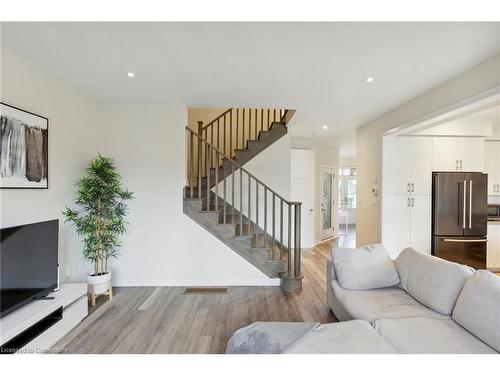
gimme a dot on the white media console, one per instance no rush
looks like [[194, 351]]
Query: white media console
[[38, 325]]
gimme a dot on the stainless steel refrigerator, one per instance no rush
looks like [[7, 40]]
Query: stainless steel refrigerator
[[459, 217]]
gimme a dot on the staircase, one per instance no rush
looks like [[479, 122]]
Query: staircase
[[233, 204]]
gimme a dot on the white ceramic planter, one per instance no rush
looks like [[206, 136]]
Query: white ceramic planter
[[100, 283]]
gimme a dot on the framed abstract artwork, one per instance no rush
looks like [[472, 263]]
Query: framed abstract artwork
[[23, 149]]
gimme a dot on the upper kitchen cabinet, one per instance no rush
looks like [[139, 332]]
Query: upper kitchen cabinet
[[451, 154], [421, 165], [412, 162], [492, 166]]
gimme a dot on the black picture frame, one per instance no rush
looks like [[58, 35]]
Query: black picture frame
[[45, 185]]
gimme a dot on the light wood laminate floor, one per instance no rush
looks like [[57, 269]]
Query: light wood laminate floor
[[164, 320]]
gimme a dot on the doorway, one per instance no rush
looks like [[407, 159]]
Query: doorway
[[347, 206], [327, 202], [302, 190]]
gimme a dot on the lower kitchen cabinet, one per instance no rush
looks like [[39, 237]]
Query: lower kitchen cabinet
[[493, 247], [411, 223]]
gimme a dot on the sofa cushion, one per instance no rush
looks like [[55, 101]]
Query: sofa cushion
[[267, 337], [478, 307], [367, 267], [430, 280], [351, 337], [381, 303], [429, 336]]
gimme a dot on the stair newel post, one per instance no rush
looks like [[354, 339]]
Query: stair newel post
[[249, 206], [200, 163], [208, 164], [273, 223], [191, 166], [268, 124], [257, 209], [216, 180], [224, 186], [241, 202], [289, 262], [232, 193], [297, 249], [281, 228], [265, 215]]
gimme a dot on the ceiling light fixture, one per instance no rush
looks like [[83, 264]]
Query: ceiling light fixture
[[324, 127], [369, 79], [131, 74]]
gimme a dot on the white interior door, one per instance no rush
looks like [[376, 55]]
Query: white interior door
[[327, 202], [302, 190]]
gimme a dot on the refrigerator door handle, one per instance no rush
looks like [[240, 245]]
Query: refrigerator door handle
[[458, 240], [464, 204], [470, 204]]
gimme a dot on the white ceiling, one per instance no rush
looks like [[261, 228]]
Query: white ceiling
[[317, 68]]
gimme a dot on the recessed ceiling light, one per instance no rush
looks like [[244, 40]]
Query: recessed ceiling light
[[369, 79], [131, 74], [324, 127]]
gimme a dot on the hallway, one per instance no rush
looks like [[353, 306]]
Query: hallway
[[347, 238]]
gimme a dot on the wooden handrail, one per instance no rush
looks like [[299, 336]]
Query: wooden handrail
[[238, 166], [284, 215], [217, 118]]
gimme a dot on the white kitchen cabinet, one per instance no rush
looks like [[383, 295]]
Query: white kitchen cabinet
[[450, 154], [412, 223], [420, 223], [472, 154], [493, 247], [492, 166], [412, 163], [401, 223], [445, 154], [401, 165], [408, 163], [421, 165], [490, 151]]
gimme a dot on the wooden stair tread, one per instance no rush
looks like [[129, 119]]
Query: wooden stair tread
[[248, 240]]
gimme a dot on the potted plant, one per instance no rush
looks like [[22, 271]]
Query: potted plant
[[100, 219]]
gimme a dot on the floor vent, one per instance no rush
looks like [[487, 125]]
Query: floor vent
[[205, 291]]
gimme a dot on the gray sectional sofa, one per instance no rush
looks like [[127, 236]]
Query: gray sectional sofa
[[422, 304]]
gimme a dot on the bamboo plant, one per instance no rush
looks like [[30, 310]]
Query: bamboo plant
[[100, 216]]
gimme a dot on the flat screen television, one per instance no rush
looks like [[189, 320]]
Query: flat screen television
[[28, 263]]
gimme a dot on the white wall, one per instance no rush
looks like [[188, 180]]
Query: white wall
[[467, 127], [324, 155], [73, 120], [163, 246]]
